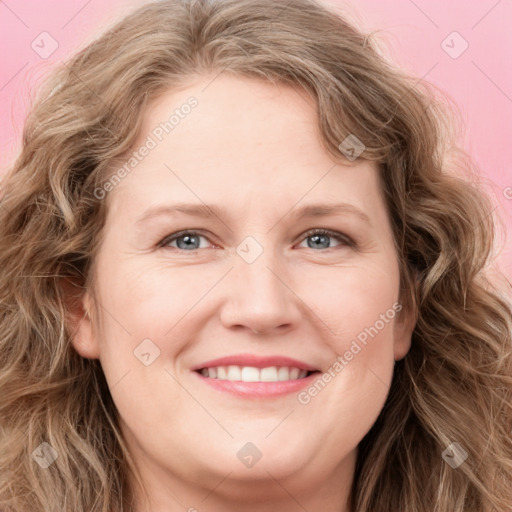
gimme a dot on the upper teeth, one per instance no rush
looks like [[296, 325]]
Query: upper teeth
[[251, 374]]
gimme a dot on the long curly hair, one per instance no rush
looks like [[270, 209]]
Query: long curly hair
[[454, 385]]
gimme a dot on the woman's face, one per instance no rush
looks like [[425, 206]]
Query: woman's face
[[212, 259]]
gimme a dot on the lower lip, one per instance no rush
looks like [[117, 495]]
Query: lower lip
[[259, 389]]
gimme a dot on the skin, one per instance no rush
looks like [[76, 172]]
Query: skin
[[253, 148]]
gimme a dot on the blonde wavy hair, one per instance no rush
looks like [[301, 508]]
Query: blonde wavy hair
[[454, 385]]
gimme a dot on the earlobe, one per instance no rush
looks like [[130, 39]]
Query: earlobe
[[79, 313]]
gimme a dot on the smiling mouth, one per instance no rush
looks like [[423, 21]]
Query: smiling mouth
[[253, 374]]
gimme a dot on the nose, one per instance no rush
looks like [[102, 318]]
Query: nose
[[261, 297]]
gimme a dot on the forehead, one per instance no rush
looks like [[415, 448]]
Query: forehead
[[234, 118], [243, 140]]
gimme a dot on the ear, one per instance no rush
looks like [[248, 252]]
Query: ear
[[404, 325], [79, 313]]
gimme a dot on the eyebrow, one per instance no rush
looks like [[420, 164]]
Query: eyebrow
[[205, 211]]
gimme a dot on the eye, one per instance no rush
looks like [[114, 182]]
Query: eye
[[185, 241], [188, 241], [320, 239]]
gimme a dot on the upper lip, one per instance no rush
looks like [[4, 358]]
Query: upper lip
[[255, 361]]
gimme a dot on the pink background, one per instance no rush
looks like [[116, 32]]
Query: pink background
[[479, 80]]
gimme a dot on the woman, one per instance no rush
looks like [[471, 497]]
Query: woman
[[237, 275]]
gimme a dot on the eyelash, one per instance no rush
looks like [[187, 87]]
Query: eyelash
[[340, 237]]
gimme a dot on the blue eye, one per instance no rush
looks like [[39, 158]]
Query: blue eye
[[320, 239], [188, 241], [185, 241]]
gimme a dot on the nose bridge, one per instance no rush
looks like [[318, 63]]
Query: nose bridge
[[260, 299]]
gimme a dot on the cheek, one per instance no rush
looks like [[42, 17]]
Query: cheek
[[359, 307], [357, 303], [151, 299], [156, 303], [139, 309]]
